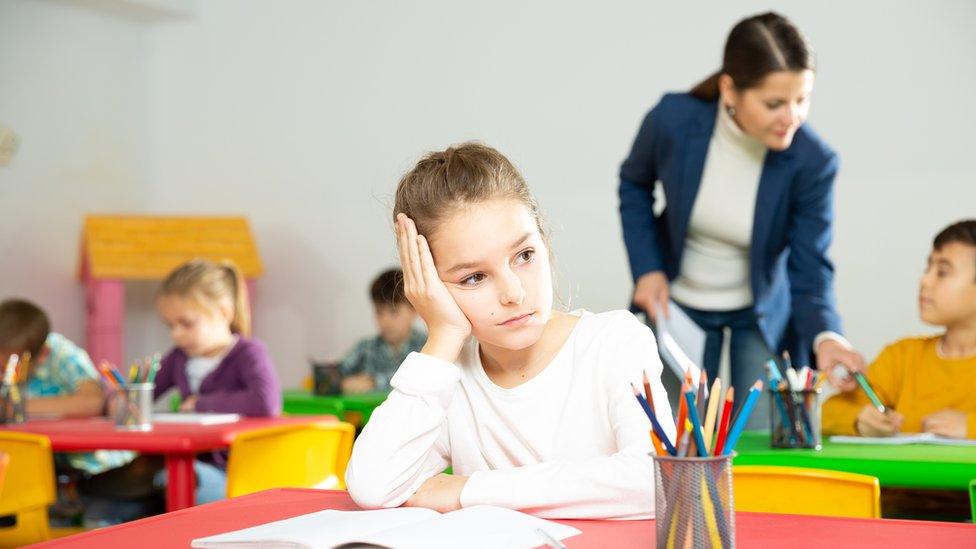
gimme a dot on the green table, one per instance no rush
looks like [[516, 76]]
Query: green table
[[925, 466], [355, 409]]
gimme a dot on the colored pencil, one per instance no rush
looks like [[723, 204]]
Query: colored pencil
[[740, 424], [863, 382], [655, 424], [683, 444], [647, 392], [711, 415], [151, 377], [702, 393], [682, 413], [723, 424], [696, 425]]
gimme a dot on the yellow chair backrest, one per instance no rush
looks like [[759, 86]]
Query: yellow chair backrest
[[4, 463], [28, 489], [801, 491], [290, 456]]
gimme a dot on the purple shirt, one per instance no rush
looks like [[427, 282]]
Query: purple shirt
[[244, 382]]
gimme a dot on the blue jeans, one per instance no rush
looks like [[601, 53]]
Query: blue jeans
[[748, 351], [211, 482]]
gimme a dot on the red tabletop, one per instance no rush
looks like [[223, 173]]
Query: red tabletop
[[178, 443], [179, 528], [78, 435]]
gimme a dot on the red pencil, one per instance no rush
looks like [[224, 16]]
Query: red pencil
[[723, 424]]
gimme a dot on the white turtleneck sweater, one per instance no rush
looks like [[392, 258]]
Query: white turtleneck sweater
[[572, 442], [714, 274]]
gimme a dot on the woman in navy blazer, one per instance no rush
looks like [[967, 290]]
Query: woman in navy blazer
[[764, 87]]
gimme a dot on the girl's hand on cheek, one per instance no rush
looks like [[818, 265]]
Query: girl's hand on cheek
[[447, 325]]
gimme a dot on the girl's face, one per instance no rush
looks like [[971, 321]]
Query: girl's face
[[772, 111], [495, 263], [947, 292], [196, 330]]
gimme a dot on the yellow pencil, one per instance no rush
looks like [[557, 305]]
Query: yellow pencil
[[709, 509], [712, 414]]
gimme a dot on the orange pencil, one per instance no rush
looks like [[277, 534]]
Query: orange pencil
[[682, 411], [107, 372], [658, 447], [723, 424]]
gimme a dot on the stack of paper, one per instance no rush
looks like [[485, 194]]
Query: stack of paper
[[904, 438], [196, 418]]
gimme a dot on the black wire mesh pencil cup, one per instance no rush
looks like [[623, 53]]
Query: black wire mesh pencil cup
[[693, 501], [794, 418]]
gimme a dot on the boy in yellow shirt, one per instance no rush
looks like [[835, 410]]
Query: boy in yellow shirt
[[927, 383]]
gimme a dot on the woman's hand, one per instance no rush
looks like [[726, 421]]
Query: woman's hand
[[830, 353], [652, 293], [946, 423], [447, 326], [441, 493], [872, 423]]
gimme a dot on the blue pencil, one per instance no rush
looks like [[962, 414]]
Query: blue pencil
[[654, 423], [740, 422], [695, 423], [118, 377]]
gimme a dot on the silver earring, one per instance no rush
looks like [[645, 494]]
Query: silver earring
[[731, 110]]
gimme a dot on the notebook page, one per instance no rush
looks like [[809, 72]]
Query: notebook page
[[322, 529], [480, 526]]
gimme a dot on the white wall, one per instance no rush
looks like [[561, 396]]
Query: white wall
[[73, 86], [303, 114]]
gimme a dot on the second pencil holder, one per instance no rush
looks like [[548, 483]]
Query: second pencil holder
[[13, 403], [693, 502], [794, 418], [134, 409]]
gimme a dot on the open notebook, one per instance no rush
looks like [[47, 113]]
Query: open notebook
[[406, 527], [904, 438]]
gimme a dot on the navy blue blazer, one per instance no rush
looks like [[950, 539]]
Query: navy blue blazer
[[791, 275]]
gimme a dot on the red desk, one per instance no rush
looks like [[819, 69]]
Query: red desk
[[178, 529], [178, 443]]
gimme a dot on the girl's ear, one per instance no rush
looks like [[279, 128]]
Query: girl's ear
[[226, 312]]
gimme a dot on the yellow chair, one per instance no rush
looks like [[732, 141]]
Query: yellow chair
[[290, 456], [28, 489], [796, 490], [4, 463]]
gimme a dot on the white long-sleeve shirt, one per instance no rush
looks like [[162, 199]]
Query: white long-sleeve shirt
[[572, 442]]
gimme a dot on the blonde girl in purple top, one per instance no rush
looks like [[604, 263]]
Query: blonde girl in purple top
[[215, 365]]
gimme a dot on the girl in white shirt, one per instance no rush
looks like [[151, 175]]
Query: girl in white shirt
[[532, 408]]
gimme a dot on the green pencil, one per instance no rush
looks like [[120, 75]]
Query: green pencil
[[151, 377], [863, 382]]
